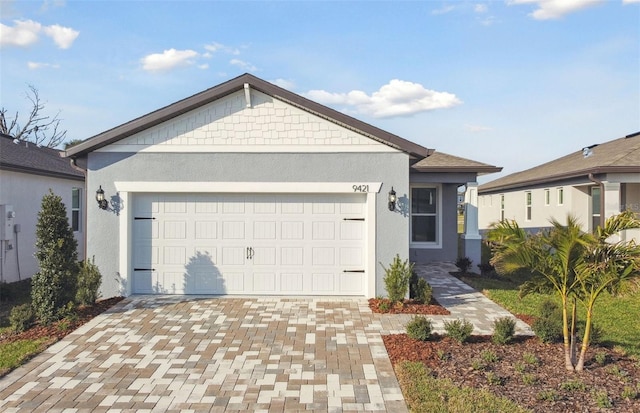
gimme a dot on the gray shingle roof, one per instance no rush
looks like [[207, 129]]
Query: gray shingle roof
[[443, 162], [26, 157], [620, 155]]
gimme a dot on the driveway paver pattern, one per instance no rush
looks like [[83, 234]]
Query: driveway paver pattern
[[210, 354]]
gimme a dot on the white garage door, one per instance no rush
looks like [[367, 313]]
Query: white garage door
[[249, 244]]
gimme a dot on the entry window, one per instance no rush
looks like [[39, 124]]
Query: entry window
[[560, 196], [595, 207], [528, 205], [76, 204], [501, 207], [424, 215], [547, 197]]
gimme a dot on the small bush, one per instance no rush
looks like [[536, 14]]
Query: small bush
[[477, 364], [384, 307], [489, 356], [424, 292], [485, 269], [573, 385], [22, 317], [459, 330], [463, 264], [419, 328], [530, 359], [601, 358], [520, 367], [548, 327], [529, 379], [494, 379], [503, 330], [602, 399], [89, 279], [548, 395], [629, 393], [396, 279]]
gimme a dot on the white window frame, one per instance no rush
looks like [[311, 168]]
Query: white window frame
[[560, 196], [77, 209], [528, 201], [438, 242], [547, 197]]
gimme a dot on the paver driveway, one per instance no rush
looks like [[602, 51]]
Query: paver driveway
[[170, 354]]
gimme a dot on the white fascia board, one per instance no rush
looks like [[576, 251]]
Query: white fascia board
[[251, 187], [247, 148]]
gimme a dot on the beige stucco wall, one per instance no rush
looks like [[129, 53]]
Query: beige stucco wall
[[24, 192]]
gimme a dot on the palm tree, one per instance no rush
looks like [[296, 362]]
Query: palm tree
[[552, 256], [606, 267]]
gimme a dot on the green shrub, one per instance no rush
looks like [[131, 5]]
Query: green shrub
[[463, 264], [424, 292], [601, 358], [89, 279], [489, 356], [494, 379], [459, 330], [396, 279], [55, 284], [602, 399], [22, 317], [419, 328], [503, 330], [548, 327], [548, 395], [573, 385], [530, 358], [529, 379], [629, 393], [384, 307]]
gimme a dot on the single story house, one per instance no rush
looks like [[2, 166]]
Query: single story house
[[247, 188], [27, 172], [592, 184]]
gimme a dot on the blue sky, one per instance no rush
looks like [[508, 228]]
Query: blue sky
[[511, 83]]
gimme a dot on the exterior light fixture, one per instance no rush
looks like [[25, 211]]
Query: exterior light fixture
[[392, 200], [102, 203]]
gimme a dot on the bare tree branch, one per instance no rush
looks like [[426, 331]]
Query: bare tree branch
[[40, 129]]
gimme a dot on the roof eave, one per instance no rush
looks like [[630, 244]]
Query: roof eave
[[453, 169], [231, 86], [560, 177], [41, 172]]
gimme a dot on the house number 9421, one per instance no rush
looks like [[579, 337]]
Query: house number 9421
[[361, 188]]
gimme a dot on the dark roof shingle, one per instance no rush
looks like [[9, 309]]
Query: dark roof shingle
[[619, 155], [29, 158]]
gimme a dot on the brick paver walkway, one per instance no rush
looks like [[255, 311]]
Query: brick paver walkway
[[208, 354]]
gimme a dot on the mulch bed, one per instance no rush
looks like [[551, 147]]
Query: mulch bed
[[464, 365], [58, 330], [385, 306]]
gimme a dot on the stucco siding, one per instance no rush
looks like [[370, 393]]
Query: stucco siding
[[106, 168], [24, 192]]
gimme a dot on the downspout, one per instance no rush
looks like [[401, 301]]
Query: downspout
[[75, 166], [599, 182]]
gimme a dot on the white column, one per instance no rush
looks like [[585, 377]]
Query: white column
[[471, 236]]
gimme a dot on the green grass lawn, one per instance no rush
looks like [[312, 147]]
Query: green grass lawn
[[617, 316], [16, 353]]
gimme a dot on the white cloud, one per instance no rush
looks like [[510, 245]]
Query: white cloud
[[39, 65], [480, 8], [243, 65], [167, 60], [62, 36], [27, 32], [397, 98], [203, 66], [218, 47], [477, 128], [443, 10], [283, 83], [630, 1], [555, 9], [23, 34]]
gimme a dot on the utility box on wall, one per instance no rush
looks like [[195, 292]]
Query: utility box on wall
[[6, 222]]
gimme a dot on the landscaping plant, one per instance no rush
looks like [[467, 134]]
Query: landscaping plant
[[89, 279], [577, 266], [459, 330], [396, 279], [463, 264], [55, 284], [503, 330], [419, 328]]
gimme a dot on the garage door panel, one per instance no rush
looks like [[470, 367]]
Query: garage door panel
[[206, 229], [292, 282], [323, 282], [323, 256], [233, 255], [292, 230], [264, 230], [249, 244], [323, 230], [292, 256], [233, 230], [175, 230]]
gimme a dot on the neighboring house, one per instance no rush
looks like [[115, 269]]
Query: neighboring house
[[247, 188], [27, 172], [592, 184]]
